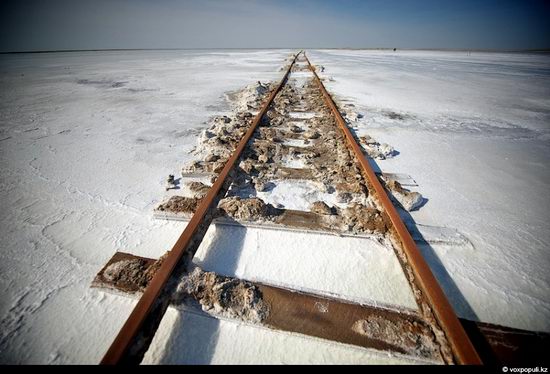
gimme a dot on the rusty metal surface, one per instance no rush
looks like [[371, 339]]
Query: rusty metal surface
[[334, 320], [343, 322], [463, 350], [123, 349], [501, 346], [398, 331], [130, 286]]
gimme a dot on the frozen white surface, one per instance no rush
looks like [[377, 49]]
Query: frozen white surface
[[88, 139], [86, 143], [475, 135], [294, 162], [356, 269], [296, 194], [298, 143]]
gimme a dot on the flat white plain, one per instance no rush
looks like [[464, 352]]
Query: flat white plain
[[87, 140]]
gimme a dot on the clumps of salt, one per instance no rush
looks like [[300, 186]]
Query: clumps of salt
[[407, 199], [128, 274], [198, 189], [253, 209], [180, 204], [412, 337], [250, 97], [359, 218], [352, 116], [223, 296], [375, 150], [319, 207]]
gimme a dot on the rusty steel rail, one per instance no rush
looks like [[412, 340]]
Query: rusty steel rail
[[497, 345], [127, 343], [463, 349]]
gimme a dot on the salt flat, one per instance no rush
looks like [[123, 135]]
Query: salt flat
[[473, 130], [87, 139]]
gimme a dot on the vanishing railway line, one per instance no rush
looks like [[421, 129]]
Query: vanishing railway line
[[433, 333]]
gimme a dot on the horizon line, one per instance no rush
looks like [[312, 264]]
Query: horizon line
[[497, 50]]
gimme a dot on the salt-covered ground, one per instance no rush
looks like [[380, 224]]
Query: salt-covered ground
[[473, 130], [87, 140]]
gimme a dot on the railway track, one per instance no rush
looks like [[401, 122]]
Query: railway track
[[284, 129]]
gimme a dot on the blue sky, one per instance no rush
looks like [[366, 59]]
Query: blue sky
[[98, 24]]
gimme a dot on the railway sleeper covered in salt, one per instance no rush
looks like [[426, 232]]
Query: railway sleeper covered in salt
[[398, 331]]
